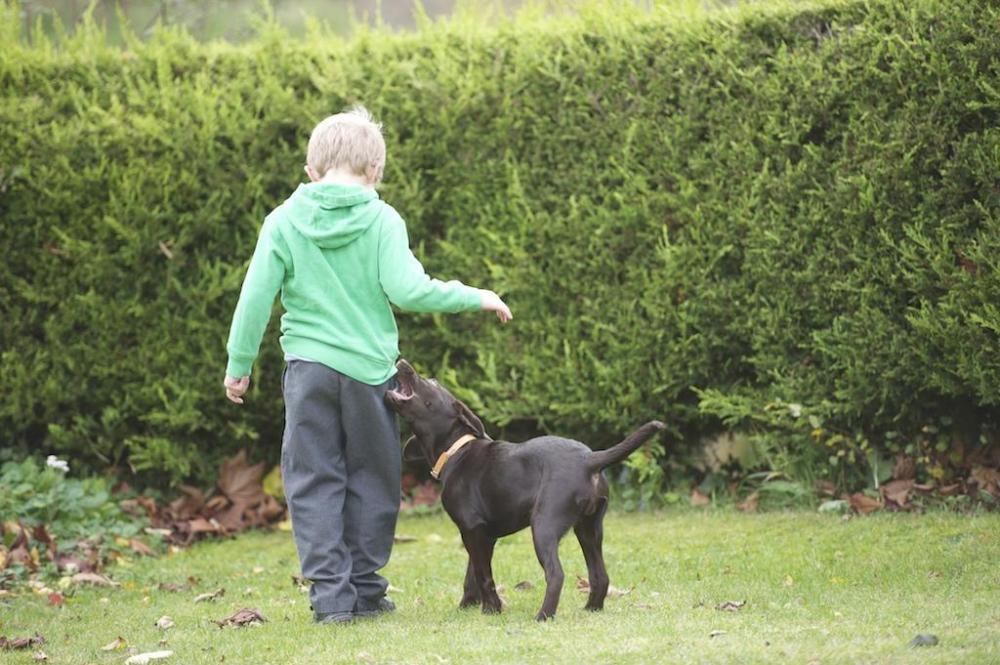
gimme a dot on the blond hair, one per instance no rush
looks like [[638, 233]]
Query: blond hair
[[351, 140]]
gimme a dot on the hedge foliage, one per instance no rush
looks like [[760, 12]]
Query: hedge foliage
[[784, 220]]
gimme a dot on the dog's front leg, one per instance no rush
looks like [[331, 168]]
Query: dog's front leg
[[471, 595], [480, 548]]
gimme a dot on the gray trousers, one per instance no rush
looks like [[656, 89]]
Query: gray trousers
[[340, 464]]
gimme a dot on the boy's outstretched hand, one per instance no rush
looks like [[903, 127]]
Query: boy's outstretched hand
[[491, 302], [235, 388]]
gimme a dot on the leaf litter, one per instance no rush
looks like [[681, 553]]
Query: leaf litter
[[16, 643], [212, 595], [116, 644], [242, 617], [236, 503], [144, 658], [583, 586]]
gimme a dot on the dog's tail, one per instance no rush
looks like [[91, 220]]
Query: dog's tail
[[618, 452]]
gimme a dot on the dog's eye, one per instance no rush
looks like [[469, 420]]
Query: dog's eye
[[428, 403]]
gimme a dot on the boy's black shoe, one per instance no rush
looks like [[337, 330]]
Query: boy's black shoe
[[366, 610], [333, 617]]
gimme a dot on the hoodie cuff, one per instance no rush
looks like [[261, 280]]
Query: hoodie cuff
[[473, 301], [239, 366]]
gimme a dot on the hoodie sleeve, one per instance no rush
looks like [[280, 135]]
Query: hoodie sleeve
[[253, 310], [407, 285]]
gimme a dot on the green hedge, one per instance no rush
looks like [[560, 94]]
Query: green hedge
[[785, 220]]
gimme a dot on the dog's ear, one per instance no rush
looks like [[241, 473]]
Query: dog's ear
[[470, 419], [411, 451]]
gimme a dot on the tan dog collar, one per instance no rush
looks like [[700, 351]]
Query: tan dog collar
[[445, 456]]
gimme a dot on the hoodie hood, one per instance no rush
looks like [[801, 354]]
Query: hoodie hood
[[332, 215]]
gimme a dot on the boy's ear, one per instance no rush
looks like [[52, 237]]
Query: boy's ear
[[313, 177], [373, 174], [470, 419], [411, 451]]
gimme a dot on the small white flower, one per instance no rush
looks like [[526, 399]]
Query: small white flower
[[57, 463]]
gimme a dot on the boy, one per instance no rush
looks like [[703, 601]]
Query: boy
[[340, 256]]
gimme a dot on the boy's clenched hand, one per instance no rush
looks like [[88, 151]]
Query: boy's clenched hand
[[491, 302], [235, 388]]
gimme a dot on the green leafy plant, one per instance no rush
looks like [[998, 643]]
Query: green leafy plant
[[70, 510]]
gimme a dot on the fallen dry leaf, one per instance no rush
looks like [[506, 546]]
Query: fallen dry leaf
[[144, 658], [526, 586], [213, 595], [21, 642], [173, 587], [41, 536], [188, 505], [116, 644], [862, 503], [200, 525], [788, 581], [717, 633], [56, 599], [731, 605], [164, 623], [19, 552], [987, 479], [896, 493], [826, 487], [241, 483], [399, 538], [583, 586], [699, 498], [242, 617], [93, 578], [239, 480], [749, 505], [142, 506], [40, 656], [615, 592], [951, 490], [71, 563], [301, 583], [140, 547]]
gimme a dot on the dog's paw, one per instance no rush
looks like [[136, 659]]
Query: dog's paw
[[544, 616], [466, 603], [492, 608], [593, 608]]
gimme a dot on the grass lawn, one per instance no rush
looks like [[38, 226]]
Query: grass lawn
[[818, 589]]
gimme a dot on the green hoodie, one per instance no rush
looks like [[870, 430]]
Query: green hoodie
[[340, 256]]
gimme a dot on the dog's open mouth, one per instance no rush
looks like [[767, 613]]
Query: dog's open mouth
[[405, 376]]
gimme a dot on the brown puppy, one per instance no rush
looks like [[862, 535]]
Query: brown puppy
[[494, 488]]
